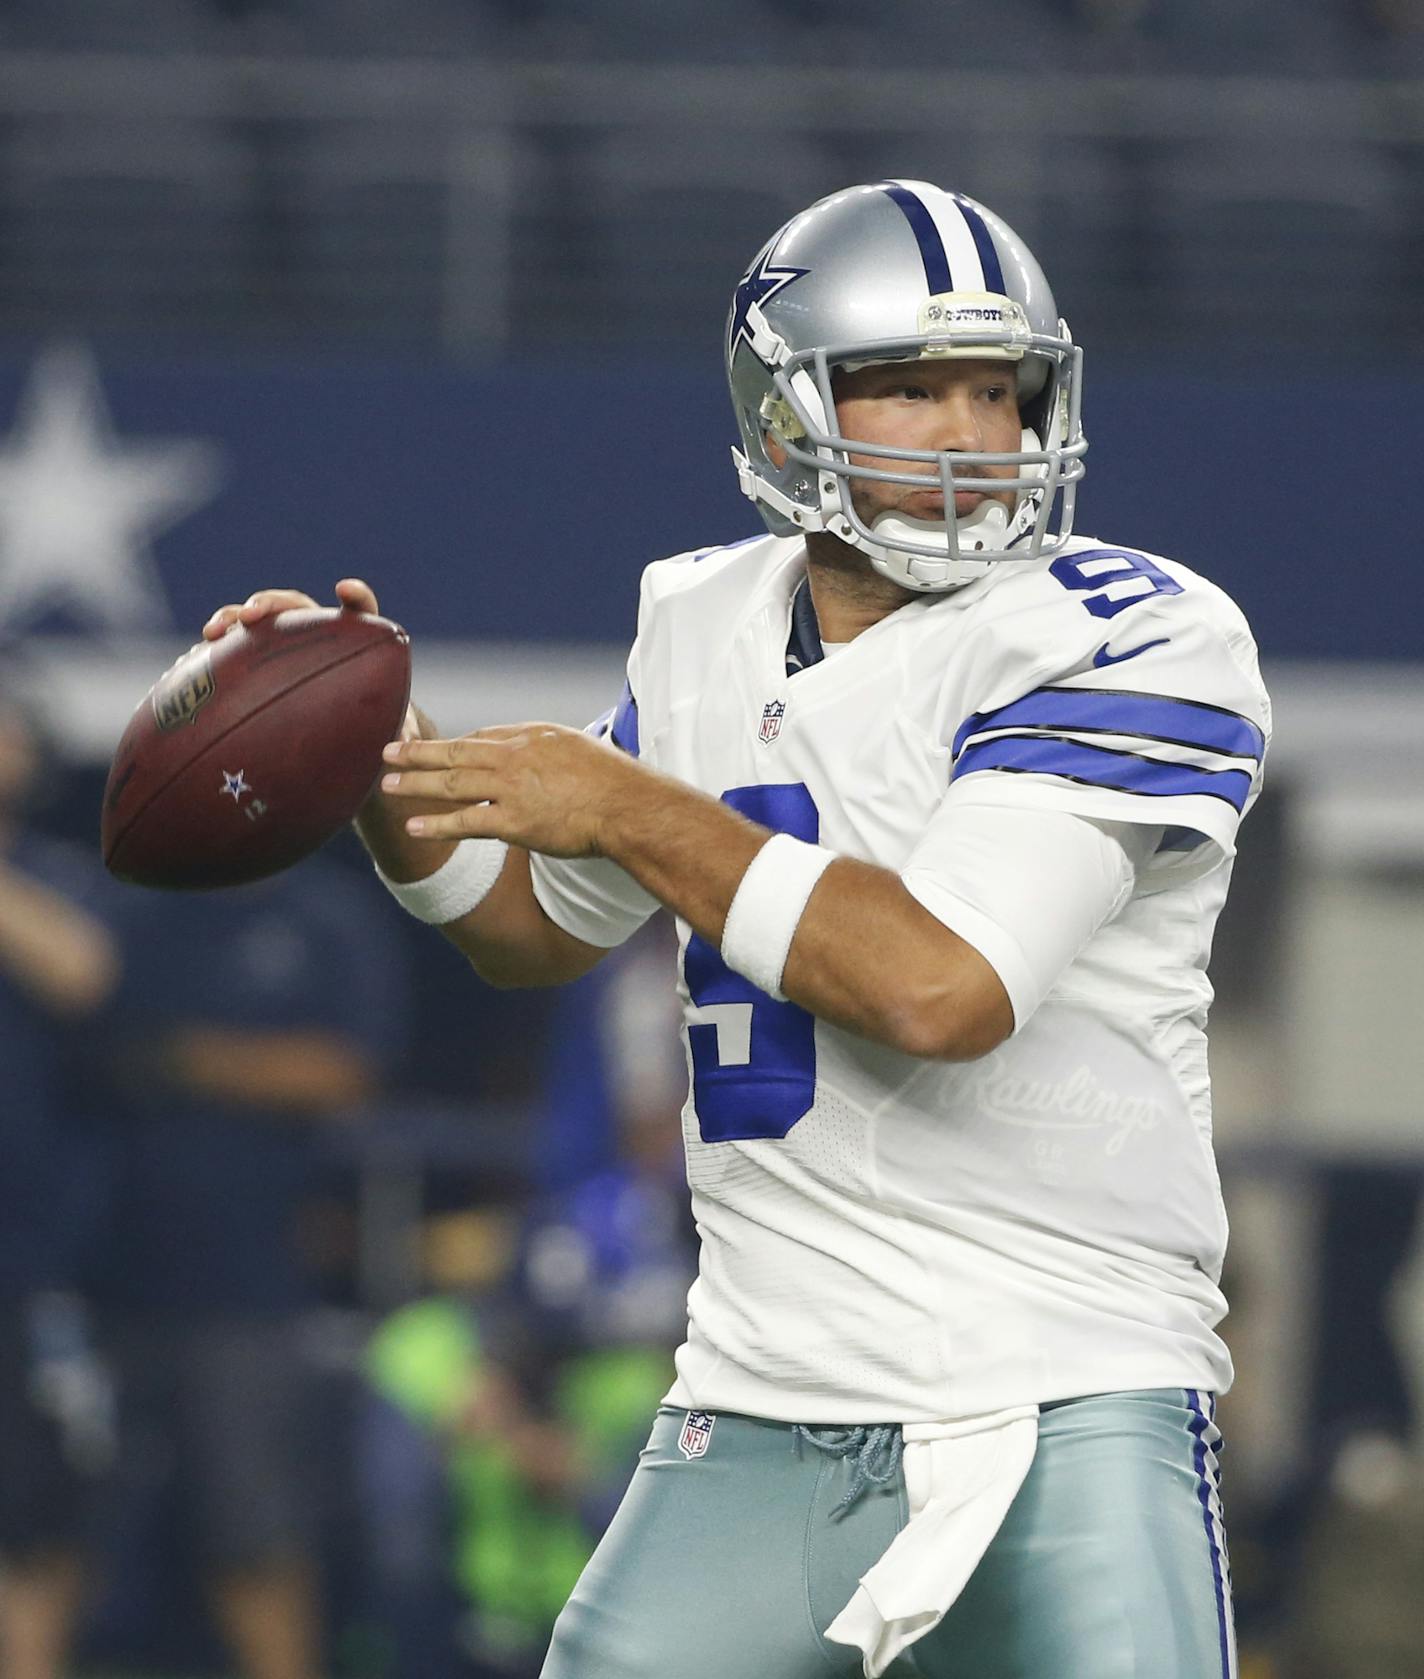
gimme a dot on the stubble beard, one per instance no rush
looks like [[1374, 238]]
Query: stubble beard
[[847, 573]]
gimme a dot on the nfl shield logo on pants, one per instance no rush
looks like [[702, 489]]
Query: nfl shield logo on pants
[[771, 721], [696, 1433]]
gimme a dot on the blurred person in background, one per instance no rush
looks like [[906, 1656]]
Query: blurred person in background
[[615, 1068], [952, 1354], [509, 1415], [249, 1020], [59, 965]]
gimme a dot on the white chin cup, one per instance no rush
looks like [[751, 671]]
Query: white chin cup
[[988, 530], [984, 531]]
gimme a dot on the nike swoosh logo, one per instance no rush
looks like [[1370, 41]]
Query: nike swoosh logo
[[1103, 657]]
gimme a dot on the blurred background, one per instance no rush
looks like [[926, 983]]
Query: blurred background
[[336, 1291]]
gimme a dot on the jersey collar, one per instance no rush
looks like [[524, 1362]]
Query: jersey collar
[[803, 645]]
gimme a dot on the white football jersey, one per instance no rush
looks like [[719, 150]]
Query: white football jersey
[[890, 1239]]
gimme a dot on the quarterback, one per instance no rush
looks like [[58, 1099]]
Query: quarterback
[[944, 799]]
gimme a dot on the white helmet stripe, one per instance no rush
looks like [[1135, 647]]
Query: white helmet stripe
[[960, 248]]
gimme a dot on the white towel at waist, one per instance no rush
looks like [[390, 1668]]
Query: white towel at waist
[[961, 1478]]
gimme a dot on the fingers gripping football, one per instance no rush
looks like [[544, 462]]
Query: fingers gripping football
[[351, 592], [537, 785]]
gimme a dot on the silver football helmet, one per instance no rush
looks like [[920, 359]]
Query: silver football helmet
[[902, 271]]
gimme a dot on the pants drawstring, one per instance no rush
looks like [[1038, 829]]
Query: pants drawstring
[[876, 1452]]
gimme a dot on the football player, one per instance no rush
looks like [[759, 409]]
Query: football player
[[944, 798]]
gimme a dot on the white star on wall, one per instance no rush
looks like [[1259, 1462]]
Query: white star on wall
[[79, 508]]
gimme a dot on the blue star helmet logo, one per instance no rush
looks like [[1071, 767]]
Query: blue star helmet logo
[[761, 282]]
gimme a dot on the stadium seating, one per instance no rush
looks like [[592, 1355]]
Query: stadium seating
[[479, 173]]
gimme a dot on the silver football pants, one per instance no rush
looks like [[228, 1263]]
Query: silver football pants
[[730, 1563]]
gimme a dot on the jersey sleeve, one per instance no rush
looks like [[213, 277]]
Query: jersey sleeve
[[1027, 889], [1168, 731], [591, 898]]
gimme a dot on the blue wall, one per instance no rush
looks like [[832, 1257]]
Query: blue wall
[[520, 501]]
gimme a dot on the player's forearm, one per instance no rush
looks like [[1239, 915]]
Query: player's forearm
[[881, 965], [510, 942], [507, 939], [866, 955], [380, 823], [690, 851]]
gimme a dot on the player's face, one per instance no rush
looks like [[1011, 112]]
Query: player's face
[[966, 406]]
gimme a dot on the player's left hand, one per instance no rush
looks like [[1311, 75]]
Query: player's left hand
[[547, 788]]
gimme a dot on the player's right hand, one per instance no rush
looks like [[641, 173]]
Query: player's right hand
[[351, 592]]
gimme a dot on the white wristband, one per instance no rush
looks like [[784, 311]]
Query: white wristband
[[767, 908], [457, 886]]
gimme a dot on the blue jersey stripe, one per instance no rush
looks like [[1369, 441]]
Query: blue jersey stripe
[[1109, 711], [1199, 1425], [624, 732], [932, 252], [1097, 766], [984, 244]]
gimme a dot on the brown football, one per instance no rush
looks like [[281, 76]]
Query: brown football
[[252, 751]]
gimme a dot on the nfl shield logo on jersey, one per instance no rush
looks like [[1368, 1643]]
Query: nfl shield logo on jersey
[[771, 721], [696, 1434]]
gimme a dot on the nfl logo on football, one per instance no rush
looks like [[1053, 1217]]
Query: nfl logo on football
[[771, 721], [696, 1434]]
